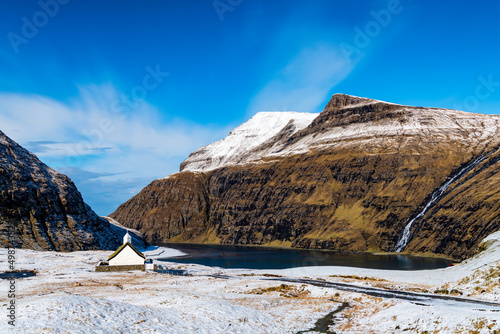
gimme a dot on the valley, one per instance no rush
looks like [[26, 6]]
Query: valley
[[350, 179]]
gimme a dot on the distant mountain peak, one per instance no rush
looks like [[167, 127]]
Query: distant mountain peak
[[240, 142], [343, 100]]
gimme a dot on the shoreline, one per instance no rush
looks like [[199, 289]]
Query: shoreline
[[67, 294], [243, 257], [416, 255]]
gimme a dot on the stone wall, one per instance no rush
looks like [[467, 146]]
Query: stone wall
[[119, 268]]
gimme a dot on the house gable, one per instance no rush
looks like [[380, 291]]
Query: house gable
[[126, 255]]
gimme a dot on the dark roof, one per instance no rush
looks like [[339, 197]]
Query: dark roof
[[122, 247]]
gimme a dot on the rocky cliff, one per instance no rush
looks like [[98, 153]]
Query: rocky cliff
[[41, 209], [350, 178]]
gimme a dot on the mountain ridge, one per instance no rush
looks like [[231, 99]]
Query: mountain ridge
[[351, 179]]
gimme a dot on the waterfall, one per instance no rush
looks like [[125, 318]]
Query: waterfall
[[437, 195]]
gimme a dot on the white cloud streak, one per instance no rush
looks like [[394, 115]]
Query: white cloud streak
[[304, 83], [87, 135], [127, 150]]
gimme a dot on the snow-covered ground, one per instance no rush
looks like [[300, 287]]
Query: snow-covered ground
[[154, 252], [67, 296]]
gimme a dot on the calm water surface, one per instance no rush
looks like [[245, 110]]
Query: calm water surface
[[276, 258]]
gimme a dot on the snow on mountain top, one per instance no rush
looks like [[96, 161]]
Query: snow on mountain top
[[249, 135], [255, 139], [260, 128]]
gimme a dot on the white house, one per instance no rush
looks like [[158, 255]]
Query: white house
[[126, 255]]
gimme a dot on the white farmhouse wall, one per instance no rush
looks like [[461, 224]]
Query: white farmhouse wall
[[126, 257]]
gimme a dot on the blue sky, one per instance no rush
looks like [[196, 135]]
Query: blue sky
[[117, 93]]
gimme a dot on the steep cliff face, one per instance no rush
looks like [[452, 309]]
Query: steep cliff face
[[350, 179], [167, 208], [468, 212], [42, 209]]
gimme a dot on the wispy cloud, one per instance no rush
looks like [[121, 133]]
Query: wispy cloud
[[304, 83], [41, 146], [81, 174], [103, 151]]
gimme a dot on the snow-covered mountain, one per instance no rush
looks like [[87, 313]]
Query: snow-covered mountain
[[350, 178], [274, 134], [244, 143]]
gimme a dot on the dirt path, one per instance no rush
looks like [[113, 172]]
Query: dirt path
[[419, 298]]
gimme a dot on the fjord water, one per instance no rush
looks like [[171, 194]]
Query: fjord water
[[246, 257]]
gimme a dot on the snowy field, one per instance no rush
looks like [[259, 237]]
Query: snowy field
[[67, 296]]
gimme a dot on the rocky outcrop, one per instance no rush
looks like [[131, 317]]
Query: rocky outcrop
[[41, 209], [350, 179], [174, 206]]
